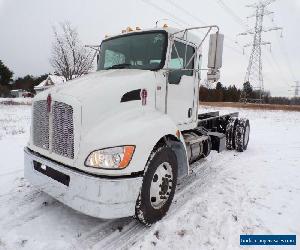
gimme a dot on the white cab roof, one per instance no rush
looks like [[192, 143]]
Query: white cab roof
[[188, 36]]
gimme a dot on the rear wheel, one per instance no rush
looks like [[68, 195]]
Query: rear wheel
[[159, 184], [230, 133], [242, 134]]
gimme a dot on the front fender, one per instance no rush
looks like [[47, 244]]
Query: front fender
[[143, 131]]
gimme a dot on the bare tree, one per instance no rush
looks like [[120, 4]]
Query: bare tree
[[69, 57]]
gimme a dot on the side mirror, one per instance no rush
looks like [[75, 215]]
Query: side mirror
[[215, 55], [213, 75], [98, 56]]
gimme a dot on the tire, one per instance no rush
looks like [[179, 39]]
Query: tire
[[230, 133], [242, 134], [154, 201]]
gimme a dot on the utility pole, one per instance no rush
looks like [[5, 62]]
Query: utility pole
[[254, 73]]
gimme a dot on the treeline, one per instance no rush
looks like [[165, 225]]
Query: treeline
[[26, 83], [233, 94], [220, 94]]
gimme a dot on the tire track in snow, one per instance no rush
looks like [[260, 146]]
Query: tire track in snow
[[25, 205], [12, 172], [131, 232], [116, 240], [103, 231], [22, 216], [202, 175]]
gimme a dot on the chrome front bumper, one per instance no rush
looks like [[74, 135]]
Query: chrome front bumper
[[91, 195]]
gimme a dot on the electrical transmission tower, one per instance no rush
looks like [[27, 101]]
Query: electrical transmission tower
[[297, 88], [254, 74]]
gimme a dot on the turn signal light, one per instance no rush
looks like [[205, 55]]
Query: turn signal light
[[128, 152]]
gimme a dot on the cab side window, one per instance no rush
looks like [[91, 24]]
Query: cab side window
[[180, 56]]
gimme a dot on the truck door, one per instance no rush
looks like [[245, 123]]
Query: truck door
[[181, 84]]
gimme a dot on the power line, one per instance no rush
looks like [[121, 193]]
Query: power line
[[280, 81], [237, 19], [284, 52], [276, 68], [180, 8], [165, 11], [187, 12], [168, 19]]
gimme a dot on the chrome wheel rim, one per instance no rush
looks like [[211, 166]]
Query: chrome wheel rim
[[161, 185]]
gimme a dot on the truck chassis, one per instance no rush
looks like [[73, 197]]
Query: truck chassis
[[214, 132]]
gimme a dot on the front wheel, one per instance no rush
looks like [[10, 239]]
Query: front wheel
[[159, 184]]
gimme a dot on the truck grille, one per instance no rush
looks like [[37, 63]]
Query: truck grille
[[62, 128], [40, 124]]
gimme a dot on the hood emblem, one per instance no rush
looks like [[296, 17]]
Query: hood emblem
[[144, 95], [49, 100]]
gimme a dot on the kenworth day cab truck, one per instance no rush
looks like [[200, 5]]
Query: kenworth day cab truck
[[113, 143]]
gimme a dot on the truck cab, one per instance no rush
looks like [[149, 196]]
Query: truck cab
[[113, 143], [179, 97]]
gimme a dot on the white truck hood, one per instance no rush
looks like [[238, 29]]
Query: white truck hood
[[100, 93], [105, 83]]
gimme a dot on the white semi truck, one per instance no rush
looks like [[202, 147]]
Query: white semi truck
[[114, 143]]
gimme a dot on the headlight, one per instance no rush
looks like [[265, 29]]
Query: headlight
[[111, 158]]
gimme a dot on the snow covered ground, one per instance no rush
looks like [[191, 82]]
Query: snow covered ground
[[228, 194]]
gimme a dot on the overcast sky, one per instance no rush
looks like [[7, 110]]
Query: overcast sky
[[26, 31]]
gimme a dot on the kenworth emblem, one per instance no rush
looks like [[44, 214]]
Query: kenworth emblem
[[144, 95], [49, 100]]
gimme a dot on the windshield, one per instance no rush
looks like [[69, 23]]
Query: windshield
[[135, 51]]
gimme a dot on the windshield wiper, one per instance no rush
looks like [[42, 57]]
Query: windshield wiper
[[120, 66]]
